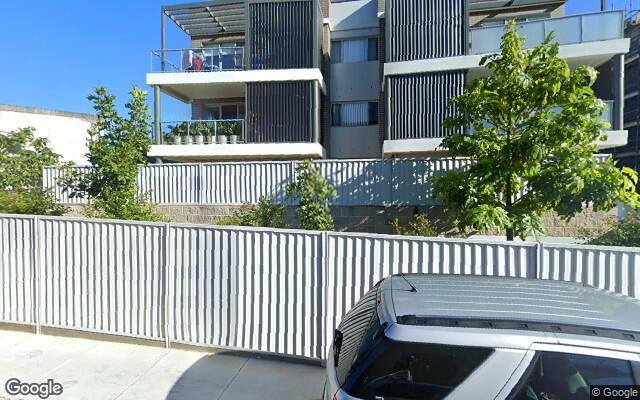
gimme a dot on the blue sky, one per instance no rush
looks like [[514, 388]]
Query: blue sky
[[54, 53]]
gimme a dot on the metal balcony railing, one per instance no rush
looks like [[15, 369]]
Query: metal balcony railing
[[572, 29], [203, 132], [198, 60]]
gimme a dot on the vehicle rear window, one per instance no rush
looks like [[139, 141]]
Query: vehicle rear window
[[400, 370], [568, 376]]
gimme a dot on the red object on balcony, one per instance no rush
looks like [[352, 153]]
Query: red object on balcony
[[198, 63]]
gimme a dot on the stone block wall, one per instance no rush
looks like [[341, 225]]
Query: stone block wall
[[377, 219]]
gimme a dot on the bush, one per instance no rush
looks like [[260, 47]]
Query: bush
[[625, 233], [314, 193], [117, 146], [265, 214], [22, 157], [418, 226]]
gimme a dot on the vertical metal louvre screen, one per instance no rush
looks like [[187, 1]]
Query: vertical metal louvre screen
[[413, 118], [267, 290], [423, 29]]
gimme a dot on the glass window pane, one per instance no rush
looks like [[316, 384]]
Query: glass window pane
[[335, 115], [568, 376], [336, 49], [353, 328], [355, 50], [213, 113], [229, 111], [373, 113], [400, 370], [373, 49]]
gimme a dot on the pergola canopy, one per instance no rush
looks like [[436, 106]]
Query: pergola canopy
[[208, 17]]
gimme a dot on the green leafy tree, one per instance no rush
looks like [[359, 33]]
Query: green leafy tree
[[265, 214], [314, 194], [534, 123], [22, 157], [117, 146]]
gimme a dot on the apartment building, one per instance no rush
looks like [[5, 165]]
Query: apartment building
[[291, 79], [629, 155]]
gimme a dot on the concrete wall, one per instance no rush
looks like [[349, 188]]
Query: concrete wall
[[66, 131], [355, 142], [377, 219]]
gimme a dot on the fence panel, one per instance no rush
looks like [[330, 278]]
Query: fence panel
[[245, 288], [102, 276], [412, 179], [611, 268], [237, 183], [51, 177], [357, 262], [359, 182], [17, 269], [171, 183]]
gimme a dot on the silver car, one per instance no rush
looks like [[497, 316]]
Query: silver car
[[445, 337]]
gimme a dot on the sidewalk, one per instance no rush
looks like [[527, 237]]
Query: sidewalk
[[96, 370]]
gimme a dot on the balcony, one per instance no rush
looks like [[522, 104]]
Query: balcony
[[211, 140], [574, 29], [198, 60]]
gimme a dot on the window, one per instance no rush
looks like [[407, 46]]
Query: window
[[568, 376], [353, 328], [354, 50], [224, 111], [354, 114], [402, 370]]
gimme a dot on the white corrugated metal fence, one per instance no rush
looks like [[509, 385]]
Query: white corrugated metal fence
[[277, 291]]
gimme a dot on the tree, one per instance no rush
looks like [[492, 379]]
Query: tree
[[117, 146], [314, 194], [22, 157], [531, 144]]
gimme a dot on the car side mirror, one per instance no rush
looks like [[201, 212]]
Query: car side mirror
[[337, 345]]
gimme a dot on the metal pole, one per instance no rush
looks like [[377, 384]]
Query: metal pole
[[603, 5], [163, 29], [157, 113]]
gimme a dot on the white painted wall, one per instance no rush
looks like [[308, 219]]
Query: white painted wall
[[66, 132]]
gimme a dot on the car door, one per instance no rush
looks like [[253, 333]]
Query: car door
[[569, 372]]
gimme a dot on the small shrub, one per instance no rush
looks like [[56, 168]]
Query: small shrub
[[265, 214], [418, 226], [22, 157], [314, 193], [625, 233]]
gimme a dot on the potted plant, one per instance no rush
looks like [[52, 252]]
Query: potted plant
[[198, 130], [208, 132], [225, 129], [179, 132], [170, 138], [234, 136]]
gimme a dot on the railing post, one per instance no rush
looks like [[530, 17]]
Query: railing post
[[166, 287], [200, 184], [37, 279]]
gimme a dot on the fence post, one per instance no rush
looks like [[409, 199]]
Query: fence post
[[37, 279], [539, 261], [200, 185], [166, 296], [322, 315]]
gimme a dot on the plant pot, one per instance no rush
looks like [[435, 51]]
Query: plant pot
[[186, 139], [233, 139], [175, 140], [198, 139], [222, 139], [209, 139]]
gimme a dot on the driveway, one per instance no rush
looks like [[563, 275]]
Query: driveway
[[96, 370]]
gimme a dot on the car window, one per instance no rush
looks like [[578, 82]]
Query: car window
[[353, 328], [565, 376], [401, 370]]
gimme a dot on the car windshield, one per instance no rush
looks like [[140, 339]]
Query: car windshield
[[406, 371]]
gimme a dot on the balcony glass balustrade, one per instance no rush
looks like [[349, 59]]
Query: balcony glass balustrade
[[198, 60], [571, 29]]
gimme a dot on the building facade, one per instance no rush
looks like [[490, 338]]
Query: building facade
[[67, 132], [291, 79]]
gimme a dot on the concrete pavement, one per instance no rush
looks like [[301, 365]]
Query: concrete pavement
[[96, 370]]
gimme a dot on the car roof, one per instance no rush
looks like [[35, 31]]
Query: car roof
[[512, 303]]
